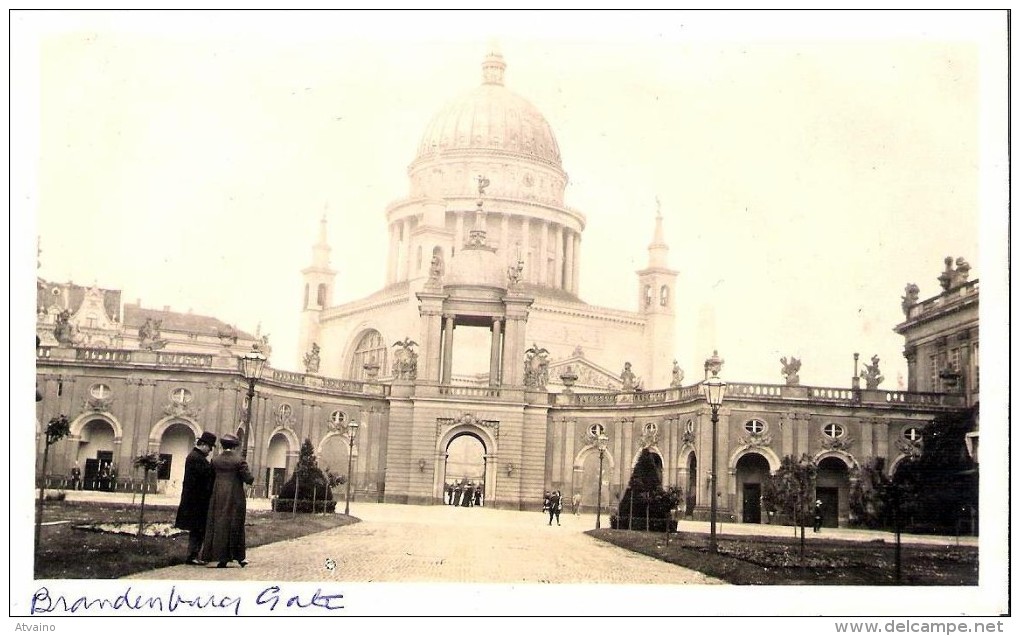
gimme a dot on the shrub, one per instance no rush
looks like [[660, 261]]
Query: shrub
[[646, 499], [307, 482]]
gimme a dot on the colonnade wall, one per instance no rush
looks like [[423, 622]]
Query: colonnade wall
[[534, 441]]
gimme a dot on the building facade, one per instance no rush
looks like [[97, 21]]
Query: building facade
[[483, 244]]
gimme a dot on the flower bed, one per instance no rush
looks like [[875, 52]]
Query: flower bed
[[150, 529]]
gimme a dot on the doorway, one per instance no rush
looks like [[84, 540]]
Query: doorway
[[465, 467], [830, 505], [752, 503]]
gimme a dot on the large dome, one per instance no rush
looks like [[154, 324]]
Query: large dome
[[491, 118]]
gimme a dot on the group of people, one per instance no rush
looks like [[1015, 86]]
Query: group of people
[[213, 506], [553, 504], [463, 494]]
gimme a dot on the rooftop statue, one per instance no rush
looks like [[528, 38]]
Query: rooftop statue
[[405, 360], [791, 370], [871, 375], [678, 376], [149, 336], [628, 378], [910, 295], [536, 367], [312, 359]]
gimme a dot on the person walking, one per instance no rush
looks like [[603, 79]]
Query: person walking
[[555, 506], [76, 477], [818, 515], [224, 530], [196, 489], [575, 504]]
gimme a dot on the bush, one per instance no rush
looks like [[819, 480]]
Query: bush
[[60, 495], [307, 482], [303, 505], [655, 524], [645, 498]]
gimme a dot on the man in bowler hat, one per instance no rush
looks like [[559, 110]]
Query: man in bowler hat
[[193, 511]]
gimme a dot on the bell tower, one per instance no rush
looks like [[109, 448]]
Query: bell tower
[[318, 292], [656, 298]]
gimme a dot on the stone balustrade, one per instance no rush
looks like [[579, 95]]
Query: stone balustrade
[[676, 395]]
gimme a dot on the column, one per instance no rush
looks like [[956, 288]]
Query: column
[[558, 258], [543, 255], [391, 260], [448, 323], [495, 350], [529, 265], [575, 283], [504, 235], [458, 237], [405, 256], [568, 278], [432, 327]]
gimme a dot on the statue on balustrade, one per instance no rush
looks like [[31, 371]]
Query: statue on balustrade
[[871, 375], [514, 274], [953, 278], [911, 293], [149, 336], [436, 268], [536, 367], [312, 359], [261, 345], [628, 378], [64, 331], [791, 370], [678, 376], [405, 360]]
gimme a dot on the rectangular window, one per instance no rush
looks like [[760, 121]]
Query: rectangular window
[[933, 373], [954, 359]]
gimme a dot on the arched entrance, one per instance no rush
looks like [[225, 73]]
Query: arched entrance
[[276, 463], [334, 455], [752, 471], [833, 489], [95, 453], [466, 467], [174, 446], [586, 480], [691, 488]]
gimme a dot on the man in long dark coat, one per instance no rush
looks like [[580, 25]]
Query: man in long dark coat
[[196, 490]]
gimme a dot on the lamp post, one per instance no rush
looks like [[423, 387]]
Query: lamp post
[[252, 364], [352, 431], [714, 389], [602, 439]]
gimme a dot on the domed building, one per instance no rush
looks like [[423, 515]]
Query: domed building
[[477, 363], [486, 211]]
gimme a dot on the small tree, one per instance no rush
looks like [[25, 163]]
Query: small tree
[[148, 463], [645, 497], [789, 490], [869, 495], [307, 482], [944, 461], [57, 429]]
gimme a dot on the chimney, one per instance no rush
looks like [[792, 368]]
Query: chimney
[[166, 307]]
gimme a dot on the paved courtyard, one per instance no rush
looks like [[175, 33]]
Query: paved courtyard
[[395, 543]]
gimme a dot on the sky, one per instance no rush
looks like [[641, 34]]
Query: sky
[[806, 169], [807, 165]]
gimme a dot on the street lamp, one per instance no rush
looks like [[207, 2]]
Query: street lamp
[[714, 389], [252, 364], [602, 439], [352, 432]]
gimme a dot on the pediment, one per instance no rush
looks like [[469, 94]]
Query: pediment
[[590, 376]]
